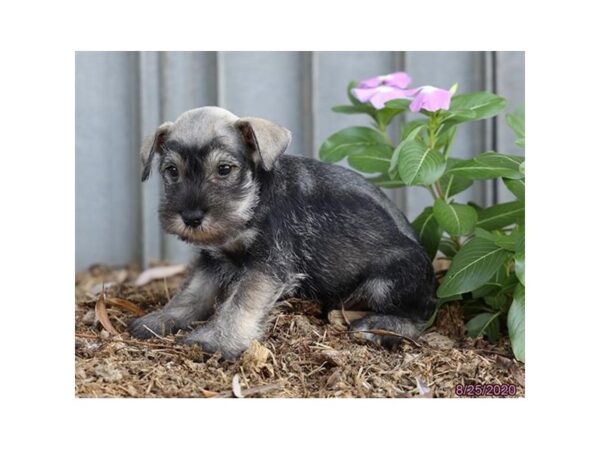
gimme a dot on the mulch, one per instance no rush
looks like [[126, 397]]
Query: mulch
[[303, 354]]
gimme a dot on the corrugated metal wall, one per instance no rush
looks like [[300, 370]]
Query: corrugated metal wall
[[123, 96]]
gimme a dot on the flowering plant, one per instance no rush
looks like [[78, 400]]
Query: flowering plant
[[486, 246]]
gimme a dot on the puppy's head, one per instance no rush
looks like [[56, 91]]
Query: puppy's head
[[209, 160]]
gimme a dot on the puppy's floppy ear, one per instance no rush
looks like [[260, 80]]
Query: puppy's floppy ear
[[151, 145], [266, 140]]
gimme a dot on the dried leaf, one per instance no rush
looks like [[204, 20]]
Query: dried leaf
[[157, 273], [208, 394], [235, 386], [102, 315], [125, 305]]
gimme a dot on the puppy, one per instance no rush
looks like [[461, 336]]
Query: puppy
[[267, 226]]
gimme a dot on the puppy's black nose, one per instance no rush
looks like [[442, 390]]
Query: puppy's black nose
[[192, 217]]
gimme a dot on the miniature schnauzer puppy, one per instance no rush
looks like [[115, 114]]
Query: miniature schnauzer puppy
[[267, 226]]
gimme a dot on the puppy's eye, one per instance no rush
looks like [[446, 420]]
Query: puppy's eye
[[224, 169], [172, 173]]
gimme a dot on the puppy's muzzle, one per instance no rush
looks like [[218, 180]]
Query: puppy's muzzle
[[192, 217]]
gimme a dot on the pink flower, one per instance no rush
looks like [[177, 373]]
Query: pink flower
[[431, 99], [377, 96], [383, 88], [397, 79]]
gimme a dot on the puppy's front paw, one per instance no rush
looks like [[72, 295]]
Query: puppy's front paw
[[207, 340], [150, 325]]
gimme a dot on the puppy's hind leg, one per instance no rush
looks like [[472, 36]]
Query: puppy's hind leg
[[194, 302], [373, 328], [401, 300]]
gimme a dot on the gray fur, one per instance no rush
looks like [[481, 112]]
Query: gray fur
[[267, 225]]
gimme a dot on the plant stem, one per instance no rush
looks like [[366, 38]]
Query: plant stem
[[432, 192], [432, 127], [440, 191], [456, 240]]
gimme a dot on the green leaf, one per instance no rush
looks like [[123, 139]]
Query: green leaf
[[516, 121], [409, 127], [483, 234], [350, 141], [509, 241], [385, 181], [517, 187], [375, 159], [472, 266], [455, 218], [448, 247], [391, 109], [452, 118], [500, 215], [452, 184], [486, 324], [354, 109], [495, 284], [515, 322], [496, 302], [489, 165], [520, 266], [483, 104], [351, 97], [504, 160], [509, 285], [445, 137], [400, 104], [418, 164], [428, 231], [520, 242], [415, 129]]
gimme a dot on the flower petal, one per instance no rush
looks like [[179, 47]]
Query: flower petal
[[397, 79], [371, 82], [363, 95], [431, 99], [385, 94]]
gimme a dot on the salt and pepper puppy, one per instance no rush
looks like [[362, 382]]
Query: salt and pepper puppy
[[267, 226]]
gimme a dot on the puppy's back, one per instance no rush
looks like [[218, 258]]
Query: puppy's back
[[312, 176]]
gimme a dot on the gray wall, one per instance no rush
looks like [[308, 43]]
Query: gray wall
[[123, 96]]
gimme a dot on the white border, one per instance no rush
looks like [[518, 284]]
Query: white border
[[38, 40]]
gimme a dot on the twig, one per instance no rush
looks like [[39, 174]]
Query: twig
[[126, 341], [157, 335], [343, 311]]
